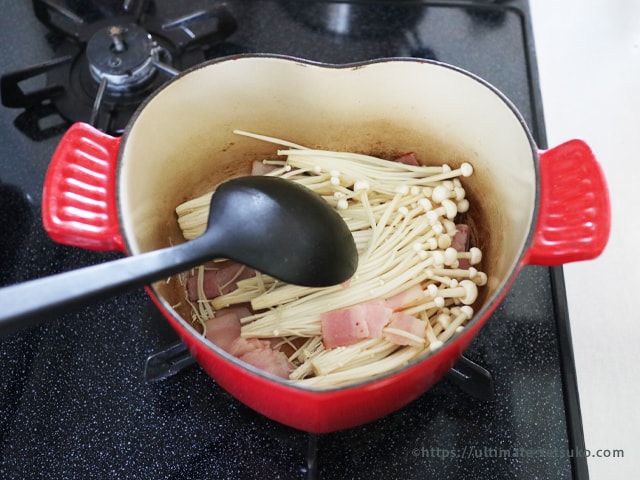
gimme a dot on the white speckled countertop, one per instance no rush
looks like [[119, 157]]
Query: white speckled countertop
[[589, 61]]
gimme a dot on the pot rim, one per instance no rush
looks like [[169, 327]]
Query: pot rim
[[478, 319]]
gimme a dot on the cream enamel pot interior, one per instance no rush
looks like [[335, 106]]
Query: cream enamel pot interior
[[528, 206]]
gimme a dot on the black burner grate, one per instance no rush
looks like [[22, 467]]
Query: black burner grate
[[108, 60]]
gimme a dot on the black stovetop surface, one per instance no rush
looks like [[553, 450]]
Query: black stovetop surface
[[73, 400]]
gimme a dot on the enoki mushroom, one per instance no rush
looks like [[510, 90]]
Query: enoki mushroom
[[402, 217]]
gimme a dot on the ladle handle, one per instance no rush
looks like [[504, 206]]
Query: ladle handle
[[78, 200], [575, 215], [30, 303]]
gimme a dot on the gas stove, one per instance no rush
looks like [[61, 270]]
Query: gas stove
[[76, 400]]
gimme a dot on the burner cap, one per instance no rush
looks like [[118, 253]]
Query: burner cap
[[121, 54]]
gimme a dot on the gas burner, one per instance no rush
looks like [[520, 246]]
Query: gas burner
[[121, 56], [108, 64]]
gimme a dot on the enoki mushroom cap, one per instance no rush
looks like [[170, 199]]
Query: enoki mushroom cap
[[471, 291]]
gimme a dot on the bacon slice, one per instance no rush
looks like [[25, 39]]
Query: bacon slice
[[261, 355], [260, 168], [219, 281], [224, 328], [408, 159], [224, 331], [350, 325], [461, 238], [406, 297], [343, 327], [377, 314], [406, 323], [460, 242], [269, 360]]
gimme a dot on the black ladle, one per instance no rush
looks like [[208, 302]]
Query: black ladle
[[268, 223]]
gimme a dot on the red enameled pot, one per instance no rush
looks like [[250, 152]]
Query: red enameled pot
[[528, 206]]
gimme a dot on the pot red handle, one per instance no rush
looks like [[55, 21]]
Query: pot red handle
[[575, 215], [79, 196]]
